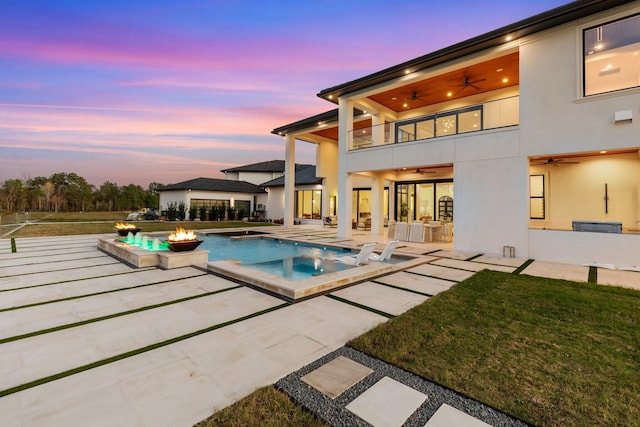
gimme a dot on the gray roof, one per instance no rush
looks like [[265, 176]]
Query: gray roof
[[213, 184], [304, 176], [268, 166]]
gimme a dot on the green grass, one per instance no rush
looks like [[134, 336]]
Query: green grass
[[550, 352], [266, 407], [42, 229]]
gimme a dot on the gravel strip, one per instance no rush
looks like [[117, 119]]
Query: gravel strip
[[335, 413]]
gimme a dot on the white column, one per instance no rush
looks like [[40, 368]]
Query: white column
[[289, 179], [377, 204], [377, 130], [345, 186]]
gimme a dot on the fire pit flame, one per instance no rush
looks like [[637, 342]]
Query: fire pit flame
[[182, 235], [125, 226]]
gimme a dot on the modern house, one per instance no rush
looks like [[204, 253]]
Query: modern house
[[255, 189], [526, 137], [241, 196], [309, 190]]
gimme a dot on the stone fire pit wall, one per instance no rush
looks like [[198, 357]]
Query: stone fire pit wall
[[140, 258]]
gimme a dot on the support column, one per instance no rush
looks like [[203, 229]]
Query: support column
[[289, 179], [345, 186], [377, 129], [377, 204]]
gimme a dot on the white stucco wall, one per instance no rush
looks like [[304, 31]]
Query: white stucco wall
[[553, 116], [491, 205], [275, 203]]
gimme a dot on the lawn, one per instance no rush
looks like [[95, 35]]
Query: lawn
[[550, 352], [74, 223], [265, 407]]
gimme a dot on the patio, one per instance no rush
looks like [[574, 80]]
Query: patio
[[84, 336]]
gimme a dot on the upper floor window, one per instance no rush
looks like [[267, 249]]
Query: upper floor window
[[612, 56]]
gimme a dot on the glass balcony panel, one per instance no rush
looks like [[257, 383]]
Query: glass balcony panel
[[490, 115], [446, 125], [470, 121], [406, 132], [424, 129]]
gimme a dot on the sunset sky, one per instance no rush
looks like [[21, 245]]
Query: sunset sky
[[136, 91]]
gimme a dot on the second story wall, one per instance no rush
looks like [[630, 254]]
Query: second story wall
[[555, 117]]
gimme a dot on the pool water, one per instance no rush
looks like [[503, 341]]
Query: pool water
[[292, 260], [258, 250]]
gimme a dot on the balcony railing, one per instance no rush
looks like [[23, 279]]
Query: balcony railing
[[489, 115]]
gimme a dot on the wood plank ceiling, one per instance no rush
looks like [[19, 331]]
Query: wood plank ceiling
[[475, 79]]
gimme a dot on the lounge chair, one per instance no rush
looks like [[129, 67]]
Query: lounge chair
[[330, 222], [386, 252], [362, 256]]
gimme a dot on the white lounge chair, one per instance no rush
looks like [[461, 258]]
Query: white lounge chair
[[362, 256], [386, 252]]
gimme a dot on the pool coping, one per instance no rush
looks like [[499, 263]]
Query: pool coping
[[297, 290]]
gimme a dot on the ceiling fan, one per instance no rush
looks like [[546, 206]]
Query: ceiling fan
[[413, 97], [469, 83], [554, 162]]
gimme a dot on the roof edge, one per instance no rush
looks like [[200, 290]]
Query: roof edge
[[537, 23]]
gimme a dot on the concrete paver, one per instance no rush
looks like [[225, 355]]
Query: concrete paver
[[388, 403], [183, 382], [557, 271]]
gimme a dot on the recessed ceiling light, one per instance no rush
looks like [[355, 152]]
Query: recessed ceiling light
[[407, 71], [508, 38], [330, 96], [499, 70], [505, 80], [599, 46], [603, 152], [405, 105], [449, 94], [394, 98]]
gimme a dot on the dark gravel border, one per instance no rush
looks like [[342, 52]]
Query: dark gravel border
[[335, 413]]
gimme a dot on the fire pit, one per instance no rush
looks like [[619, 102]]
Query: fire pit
[[182, 241], [123, 228]]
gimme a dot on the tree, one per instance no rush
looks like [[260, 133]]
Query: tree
[[131, 197], [107, 195], [14, 195]]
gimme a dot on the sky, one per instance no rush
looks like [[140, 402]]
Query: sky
[[140, 91]]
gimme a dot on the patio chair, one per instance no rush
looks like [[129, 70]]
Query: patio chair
[[402, 231], [416, 232], [330, 222], [362, 256], [386, 252]]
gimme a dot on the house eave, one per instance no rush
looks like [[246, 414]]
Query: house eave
[[537, 23]]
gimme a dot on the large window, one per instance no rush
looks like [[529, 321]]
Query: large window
[[440, 124], [537, 198], [612, 56], [424, 201], [308, 204], [361, 205]]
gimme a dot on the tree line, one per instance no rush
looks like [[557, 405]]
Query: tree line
[[70, 192]]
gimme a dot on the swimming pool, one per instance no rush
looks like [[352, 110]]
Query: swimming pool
[[291, 260]]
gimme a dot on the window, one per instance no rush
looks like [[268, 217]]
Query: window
[[536, 205], [612, 56], [308, 204]]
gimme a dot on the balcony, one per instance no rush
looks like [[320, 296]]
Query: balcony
[[473, 118]]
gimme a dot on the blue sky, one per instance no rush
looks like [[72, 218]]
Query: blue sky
[[162, 90]]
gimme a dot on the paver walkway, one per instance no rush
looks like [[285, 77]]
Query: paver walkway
[[86, 340]]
